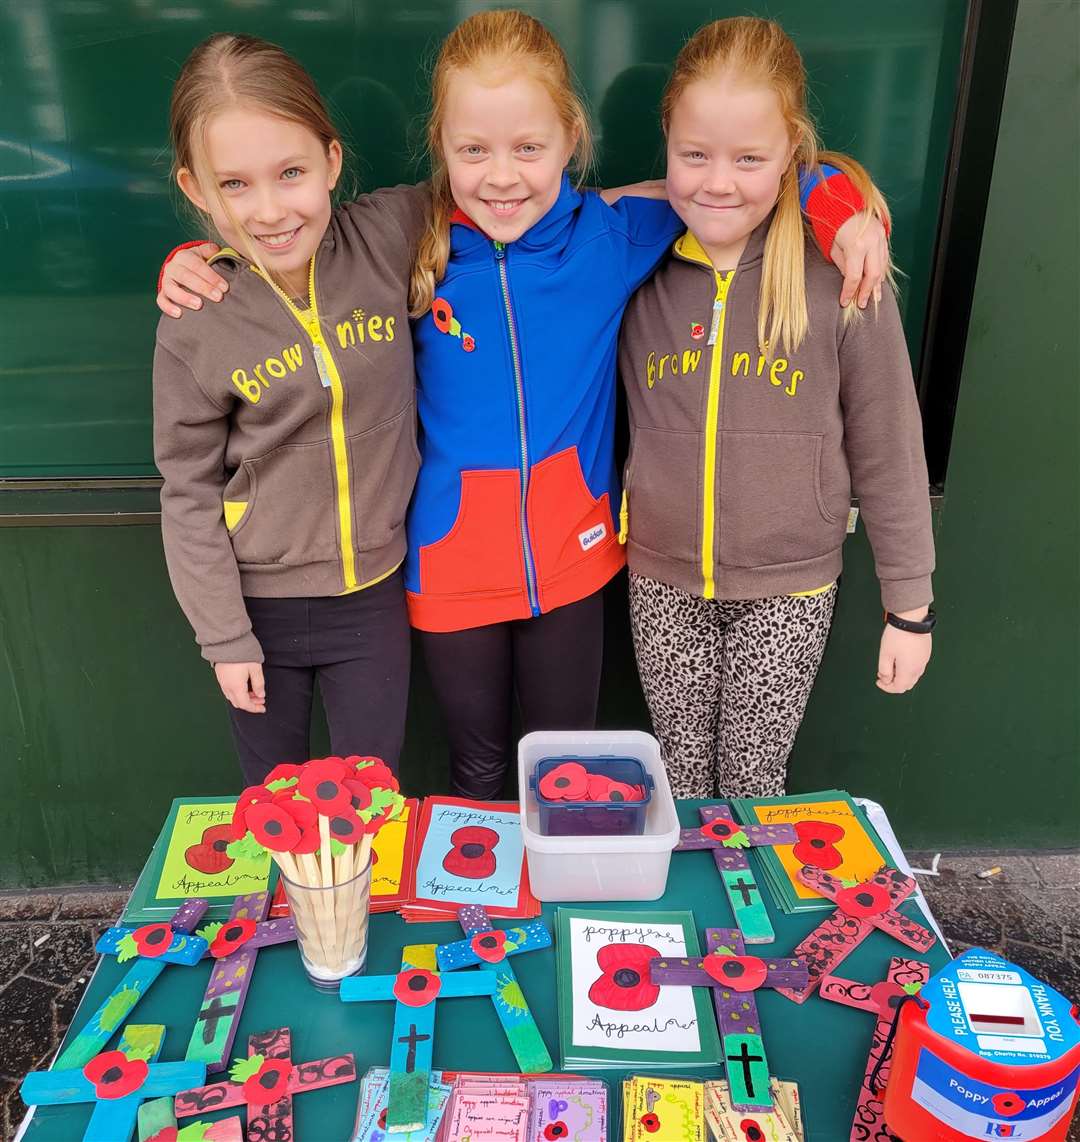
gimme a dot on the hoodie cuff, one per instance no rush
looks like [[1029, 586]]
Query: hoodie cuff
[[906, 594], [246, 648], [161, 276]]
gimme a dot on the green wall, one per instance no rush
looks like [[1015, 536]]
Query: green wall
[[106, 711]]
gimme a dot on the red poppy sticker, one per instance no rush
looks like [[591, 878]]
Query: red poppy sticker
[[231, 936], [650, 1122], [557, 1129], [566, 782], [728, 833], [740, 973], [863, 900], [114, 1075], [625, 984], [266, 1081], [473, 853], [417, 987], [489, 946]]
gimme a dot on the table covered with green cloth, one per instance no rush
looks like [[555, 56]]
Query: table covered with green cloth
[[822, 1046]]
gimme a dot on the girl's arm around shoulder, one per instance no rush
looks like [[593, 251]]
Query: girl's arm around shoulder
[[190, 435], [406, 207], [641, 226], [884, 447]]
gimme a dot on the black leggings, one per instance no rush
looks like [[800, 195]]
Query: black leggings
[[552, 663], [357, 646]]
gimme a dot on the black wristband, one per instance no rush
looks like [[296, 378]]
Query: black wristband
[[924, 626]]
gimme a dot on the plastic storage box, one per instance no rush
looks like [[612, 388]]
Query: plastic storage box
[[594, 818], [623, 867]]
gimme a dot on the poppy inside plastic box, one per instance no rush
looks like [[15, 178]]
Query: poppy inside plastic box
[[594, 818]]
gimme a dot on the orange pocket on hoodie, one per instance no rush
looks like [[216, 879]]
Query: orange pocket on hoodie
[[482, 551], [566, 524]]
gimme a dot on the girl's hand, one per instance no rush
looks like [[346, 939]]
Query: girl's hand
[[650, 188], [861, 254], [242, 683], [186, 279], [903, 656]]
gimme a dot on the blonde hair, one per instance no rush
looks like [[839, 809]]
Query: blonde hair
[[759, 51], [493, 40], [229, 71]]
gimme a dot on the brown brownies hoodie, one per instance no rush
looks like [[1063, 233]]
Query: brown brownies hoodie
[[285, 433], [741, 470]]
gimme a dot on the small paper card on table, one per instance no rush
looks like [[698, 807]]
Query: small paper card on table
[[470, 852], [371, 1107], [672, 1109], [610, 1012], [726, 1124], [574, 1109]]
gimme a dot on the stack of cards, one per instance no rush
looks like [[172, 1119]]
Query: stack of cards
[[834, 834], [512, 1108], [470, 852], [784, 1124], [610, 1012], [371, 1109]]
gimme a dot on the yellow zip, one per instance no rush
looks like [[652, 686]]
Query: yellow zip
[[712, 415], [329, 375]]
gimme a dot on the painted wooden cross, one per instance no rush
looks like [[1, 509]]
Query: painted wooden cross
[[734, 977], [415, 987], [489, 947], [115, 1081], [235, 945], [265, 1083], [728, 840], [157, 1123], [905, 977], [154, 945], [860, 908]]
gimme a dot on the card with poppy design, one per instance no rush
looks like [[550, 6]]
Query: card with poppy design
[[833, 833], [470, 852], [371, 1107], [189, 862], [610, 1013]]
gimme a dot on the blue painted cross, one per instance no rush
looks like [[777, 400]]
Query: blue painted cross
[[415, 987], [116, 1082], [728, 840], [489, 947], [152, 946]]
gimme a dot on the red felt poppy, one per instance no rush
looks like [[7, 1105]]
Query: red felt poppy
[[721, 829], [165, 1134], [269, 1084], [374, 773], [273, 827], [625, 984], [253, 795], [114, 1075], [886, 997], [360, 794], [153, 940], [556, 1130], [489, 946], [346, 827], [566, 782], [740, 973], [751, 1131], [598, 787], [209, 855], [302, 812], [817, 844], [1008, 1104], [864, 900], [473, 853], [233, 934], [286, 771], [417, 987], [322, 782], [309, 842], [650, 1121], [442, 314], [620, 791]]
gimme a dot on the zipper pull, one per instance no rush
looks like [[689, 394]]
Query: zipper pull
[[500, 251], [714, 328], [320, 364]]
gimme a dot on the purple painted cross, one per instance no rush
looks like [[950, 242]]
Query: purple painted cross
[[235, 945], [881, 999], [734, 977], [728, 840], [860, 908]]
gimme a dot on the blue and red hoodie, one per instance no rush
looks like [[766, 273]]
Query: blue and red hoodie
[[514, 511]]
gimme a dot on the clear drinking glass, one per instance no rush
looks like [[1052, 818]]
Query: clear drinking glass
[[331, 927]]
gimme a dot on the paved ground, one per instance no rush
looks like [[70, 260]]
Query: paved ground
[[1030, 912]]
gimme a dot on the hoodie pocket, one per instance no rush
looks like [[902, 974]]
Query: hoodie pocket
[[567, 524], [771, 506], [290, 515], [383, 462], [663, 492], [481, 553]]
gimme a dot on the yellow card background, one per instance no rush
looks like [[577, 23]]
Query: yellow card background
[[389, 846], [681, 1110], [179, 879], [861, 857]]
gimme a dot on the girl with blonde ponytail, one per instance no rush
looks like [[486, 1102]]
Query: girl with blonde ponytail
[[517, 291], [758, 405]]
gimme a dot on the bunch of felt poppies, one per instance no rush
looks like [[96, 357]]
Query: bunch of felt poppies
[[318, 821], [571, 781]]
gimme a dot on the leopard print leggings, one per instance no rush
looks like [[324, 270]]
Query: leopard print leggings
[[727, 682]]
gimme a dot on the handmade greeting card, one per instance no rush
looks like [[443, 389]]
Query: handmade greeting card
[[673, 1109], [610, 1012], [572, 1109], [470, 852]]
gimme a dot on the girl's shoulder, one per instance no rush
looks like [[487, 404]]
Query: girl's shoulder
[[394, 212]]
